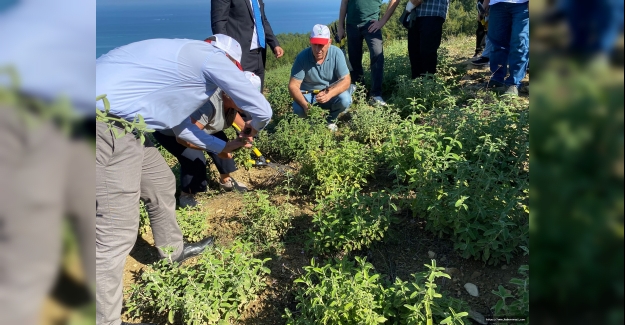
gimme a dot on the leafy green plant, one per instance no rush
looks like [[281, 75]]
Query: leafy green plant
[[349, 220], [516, 304], [469, 169], [293, 138], [192, 222], [265, 223], [340, 293], [214, 290], [344, 292], [144, 219], [417, 302], [373, 125], [331, 169]]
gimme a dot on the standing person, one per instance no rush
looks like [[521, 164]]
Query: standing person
[[425, 34], [246, 22], [509, 23], [216, 115], [321, 67], [163, 81], [363, 24]]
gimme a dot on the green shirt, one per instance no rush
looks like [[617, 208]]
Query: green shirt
[[360, 12]]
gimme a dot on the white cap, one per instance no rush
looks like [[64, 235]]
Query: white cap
[[320, 34], [227, 44], [254, 79]]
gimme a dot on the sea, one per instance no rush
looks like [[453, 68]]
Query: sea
[[121, 22]]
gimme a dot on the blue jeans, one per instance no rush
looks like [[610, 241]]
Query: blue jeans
[[508, 33], [336, 105], [355, 36]]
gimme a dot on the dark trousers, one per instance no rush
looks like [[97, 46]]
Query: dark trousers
[[193, 172], [254, 61], [424, 39], [355, 36]]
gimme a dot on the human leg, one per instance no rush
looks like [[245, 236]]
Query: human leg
[[499, 29], [414, 48], [118, 182], [354, 51], [339, 104], [376, 56], [431, 35], [519, 44], [158, 187], [192, 164]]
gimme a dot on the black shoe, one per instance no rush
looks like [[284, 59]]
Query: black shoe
[[190, 250], [481, 61]]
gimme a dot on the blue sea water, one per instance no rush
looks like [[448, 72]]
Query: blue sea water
[[123, 22]]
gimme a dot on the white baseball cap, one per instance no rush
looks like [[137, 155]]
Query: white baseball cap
[[254, 79], [227, 44], [320, 34]]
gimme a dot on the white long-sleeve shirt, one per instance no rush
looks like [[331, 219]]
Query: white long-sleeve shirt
[[166, 80]]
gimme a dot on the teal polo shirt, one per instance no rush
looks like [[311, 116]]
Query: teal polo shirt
[[318, 76], [360, 12]]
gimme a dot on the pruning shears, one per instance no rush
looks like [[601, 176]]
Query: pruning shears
[[261, 161]]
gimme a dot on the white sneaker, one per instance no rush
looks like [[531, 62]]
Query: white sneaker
[[332, 127], [187, 200], [378, 100]]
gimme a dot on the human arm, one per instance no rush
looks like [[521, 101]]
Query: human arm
[[190, 135], [486, 5], [416, 3], [220, 12], [220, 72], [340, 31], [270, 37], [296, 93], [378, 24]]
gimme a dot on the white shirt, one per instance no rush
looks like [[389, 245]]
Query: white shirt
[[492, 2], [165, 80], [254, 44]]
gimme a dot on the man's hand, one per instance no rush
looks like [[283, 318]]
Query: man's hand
[[340, 32], [248, 132], [323, 97], [278, 51], [375, 26], [233, 145], [416, 3]]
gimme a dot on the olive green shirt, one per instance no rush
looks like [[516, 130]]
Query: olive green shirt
[[360, 12]]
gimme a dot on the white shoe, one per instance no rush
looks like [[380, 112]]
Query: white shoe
[[378, 100], [332, 127], [187, 200]]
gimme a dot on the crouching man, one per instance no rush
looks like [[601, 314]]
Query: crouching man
[[320, 76]]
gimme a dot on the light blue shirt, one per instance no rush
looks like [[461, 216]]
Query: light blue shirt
[[318, 76], [166, 80]]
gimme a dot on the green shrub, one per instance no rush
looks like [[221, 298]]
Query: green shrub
[[292, 138], [346, 293], [340, 293], [265, 223], [192, 222], [373, 125], [517, 304], [213, 291], [421, 94], [348, 220], [349, 163], [469, 169]]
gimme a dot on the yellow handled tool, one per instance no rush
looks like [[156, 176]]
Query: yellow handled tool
[[259, 156]]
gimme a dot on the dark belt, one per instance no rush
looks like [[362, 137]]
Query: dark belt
[[256, 50]]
